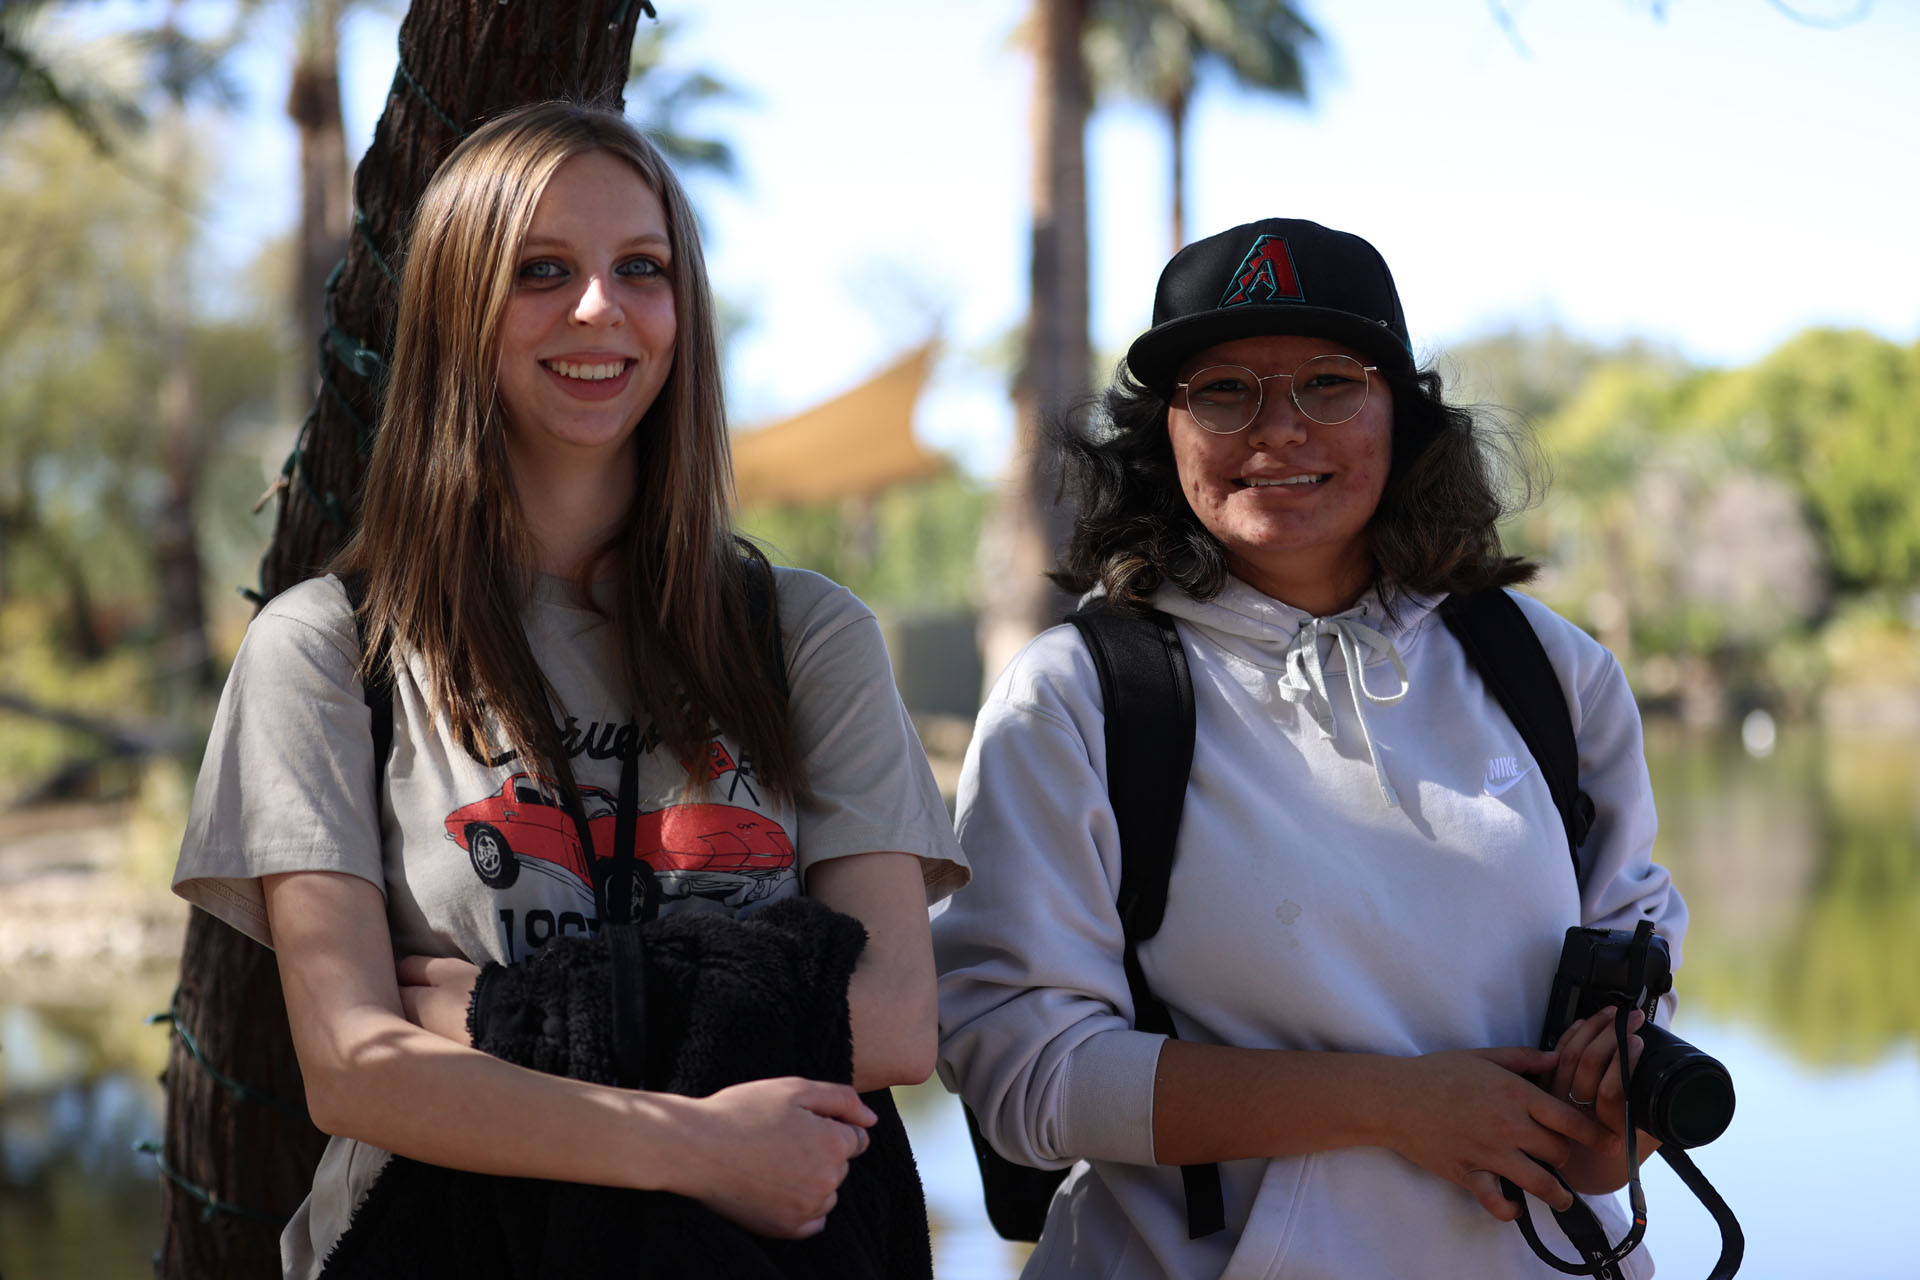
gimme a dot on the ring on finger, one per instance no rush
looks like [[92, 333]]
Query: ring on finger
[[1580, 1104]]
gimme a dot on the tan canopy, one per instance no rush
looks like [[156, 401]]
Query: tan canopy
[[854, 445]]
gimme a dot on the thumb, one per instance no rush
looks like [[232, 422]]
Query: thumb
[[412, 971], [1486, 1189], [839, 1102]]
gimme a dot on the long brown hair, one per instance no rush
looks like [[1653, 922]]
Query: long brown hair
[[443, 544]]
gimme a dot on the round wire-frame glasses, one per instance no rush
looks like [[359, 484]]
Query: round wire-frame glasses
[[1328, 389]]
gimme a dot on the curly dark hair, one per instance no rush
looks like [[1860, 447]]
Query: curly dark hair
[[1455, 474]]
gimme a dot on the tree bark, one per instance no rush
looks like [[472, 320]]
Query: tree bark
[[1030, 524], [471, 60]]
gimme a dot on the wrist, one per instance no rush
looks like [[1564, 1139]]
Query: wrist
[[660, 1135], [1379, 1083]]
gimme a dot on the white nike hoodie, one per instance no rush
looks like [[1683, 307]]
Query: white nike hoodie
[[1373, 866]]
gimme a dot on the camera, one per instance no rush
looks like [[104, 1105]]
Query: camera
[[1677, 1093]]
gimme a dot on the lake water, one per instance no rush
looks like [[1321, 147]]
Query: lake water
[[1802, 974]]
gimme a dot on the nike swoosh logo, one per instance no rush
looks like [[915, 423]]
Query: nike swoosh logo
[[1504, 774]]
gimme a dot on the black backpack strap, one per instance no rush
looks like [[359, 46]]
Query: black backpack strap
[[378, 687], [763, 620], [1503, 647], [1016, 1195], [1148, 695]]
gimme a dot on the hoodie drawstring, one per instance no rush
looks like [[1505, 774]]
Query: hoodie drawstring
[[1305, 681]]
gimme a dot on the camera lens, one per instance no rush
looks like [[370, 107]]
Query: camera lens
[[1699, 1107], [1679, 1094]]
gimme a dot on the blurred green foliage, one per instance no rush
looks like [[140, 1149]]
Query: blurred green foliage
[[35, 661], [88, 288], [78, 292], [1840, 412], [908, 551], [1708, 524], [1533, 372]]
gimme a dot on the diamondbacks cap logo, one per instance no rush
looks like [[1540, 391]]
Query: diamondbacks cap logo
[[1266, 274]]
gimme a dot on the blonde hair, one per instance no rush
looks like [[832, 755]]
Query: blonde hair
[[442, 542]]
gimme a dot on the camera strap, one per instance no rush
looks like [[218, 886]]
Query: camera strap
[[1583, 1231], [1581, 1227], [1733, 1242], [1578, 1221]]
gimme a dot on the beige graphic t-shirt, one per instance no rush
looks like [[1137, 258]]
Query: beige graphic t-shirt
[[478, 858]]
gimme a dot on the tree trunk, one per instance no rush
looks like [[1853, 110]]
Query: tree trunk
[[471, 59], [84, 640], [186, 659], [313, 104], [1176, 106], [1030, 525]]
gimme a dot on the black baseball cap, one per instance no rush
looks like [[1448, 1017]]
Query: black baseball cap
[[1275, 276]]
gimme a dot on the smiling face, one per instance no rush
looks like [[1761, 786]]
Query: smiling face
[[1289, 497], [587, 337]]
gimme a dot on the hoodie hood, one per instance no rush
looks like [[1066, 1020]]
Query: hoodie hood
[[1299, 652], [1259, 629]]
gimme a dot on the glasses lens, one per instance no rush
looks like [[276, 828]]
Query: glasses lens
[[1224, 398], [1330, 389]]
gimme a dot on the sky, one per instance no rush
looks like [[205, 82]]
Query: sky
[[1708, 174]]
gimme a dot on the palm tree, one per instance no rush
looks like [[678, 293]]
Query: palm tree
[[1156, 51], [313, 104], [1028, 528]]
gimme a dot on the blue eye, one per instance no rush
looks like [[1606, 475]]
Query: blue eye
[[542, 270], [641, 268]]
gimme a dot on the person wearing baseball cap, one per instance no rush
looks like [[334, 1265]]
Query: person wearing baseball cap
[[1370, 883]]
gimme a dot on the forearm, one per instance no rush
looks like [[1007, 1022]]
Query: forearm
[[891, 999], [372, 1075], [1468, 1116], [895, 1026], [377, 1078], [1213, 1102]]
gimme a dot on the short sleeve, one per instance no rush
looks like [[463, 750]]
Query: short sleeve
[[287, 782], [873, 791]]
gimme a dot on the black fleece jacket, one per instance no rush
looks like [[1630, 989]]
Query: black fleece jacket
[[727, 1000]]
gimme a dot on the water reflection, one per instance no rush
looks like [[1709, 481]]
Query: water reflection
[[1801, 972], [76, 1199], [1802, 869]]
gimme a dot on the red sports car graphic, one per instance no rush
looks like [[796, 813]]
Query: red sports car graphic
[[707, 850]]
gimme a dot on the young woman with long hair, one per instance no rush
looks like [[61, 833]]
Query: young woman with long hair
[[554, 591]]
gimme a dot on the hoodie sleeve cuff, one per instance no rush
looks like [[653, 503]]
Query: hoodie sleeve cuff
[[1107, 1097]]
